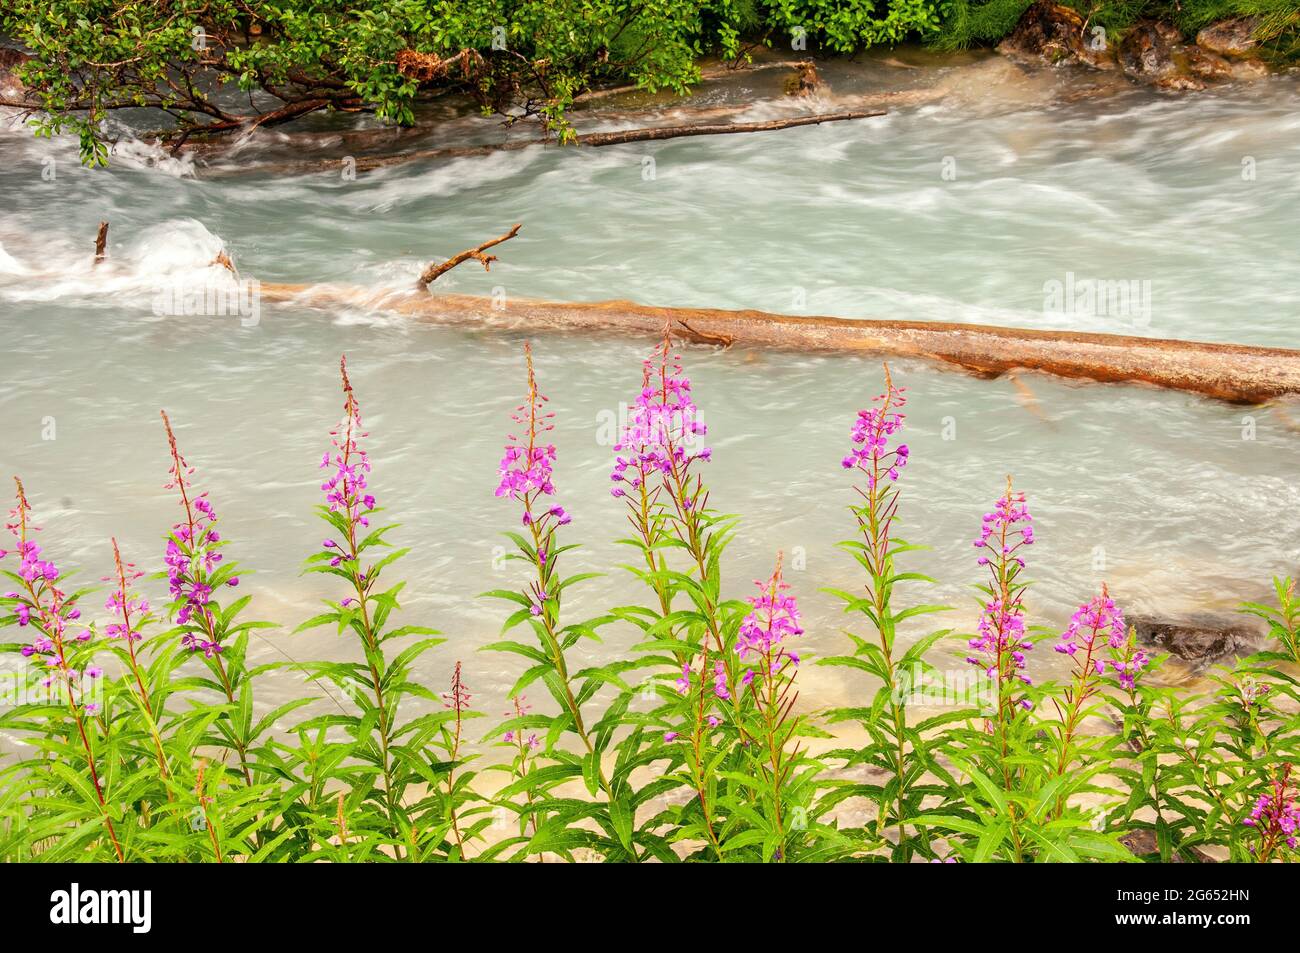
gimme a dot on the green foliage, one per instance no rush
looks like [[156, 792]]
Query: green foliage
[[846, 27], [971, 22], [968, 22], [216, 67]]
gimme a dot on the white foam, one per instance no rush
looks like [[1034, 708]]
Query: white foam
[[138, 154], [10, 265]]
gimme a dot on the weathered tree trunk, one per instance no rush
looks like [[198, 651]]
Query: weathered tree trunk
[[717, 129], [363, 163], [1229, 372]]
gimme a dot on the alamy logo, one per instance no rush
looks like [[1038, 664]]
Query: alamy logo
[[241, 298], [1099, 298], [134, 907]]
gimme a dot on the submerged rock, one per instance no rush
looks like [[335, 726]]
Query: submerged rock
[[1199, 640], [1230, 37]]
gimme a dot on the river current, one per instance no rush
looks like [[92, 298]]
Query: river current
[[996, 203]]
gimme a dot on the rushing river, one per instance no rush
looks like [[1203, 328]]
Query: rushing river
[[965, 208]]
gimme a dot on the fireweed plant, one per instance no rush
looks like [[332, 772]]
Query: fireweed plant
[[559, 824], [402, 793], [134, 732], [876, 459]]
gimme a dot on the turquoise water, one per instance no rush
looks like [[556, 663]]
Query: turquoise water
[[1181, 504]]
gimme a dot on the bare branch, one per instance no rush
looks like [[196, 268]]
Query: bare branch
[[476, 253]]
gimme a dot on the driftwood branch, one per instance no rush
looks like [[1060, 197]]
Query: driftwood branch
[[476, 253], [101, 242], [718, 129]]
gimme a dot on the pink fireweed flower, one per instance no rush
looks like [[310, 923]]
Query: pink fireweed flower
[[1094, 623], [521, 708], [346, 488], [127, 609], [683, 684], [1275, 816], [720, 678], [1097, 625], [871, 435], [1253, 693], [1001, 641], [458, 698], [773, 619], [1126, 660], [526, 468], [663, 426], [525, 477], [1006, 529], [44, 607], [192, 554]]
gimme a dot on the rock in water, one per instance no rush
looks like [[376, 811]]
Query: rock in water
[[1208, 66], [1147, 53], [1051, 33], [1229, 37], [1199, 640]]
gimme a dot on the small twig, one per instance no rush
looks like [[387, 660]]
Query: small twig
[[476, 253], [224, 260], [101, 241]]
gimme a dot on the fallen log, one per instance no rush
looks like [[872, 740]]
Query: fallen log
[[433, 271], [1230, 372], [363, 163], [717, 129]]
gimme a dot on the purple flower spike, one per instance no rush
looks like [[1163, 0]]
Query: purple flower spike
[[773, 619], [1001, 641], [663, 427], [42, 605], [871, 436], [1275, 817], [526, 468], [191, 555], [346, 489]]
